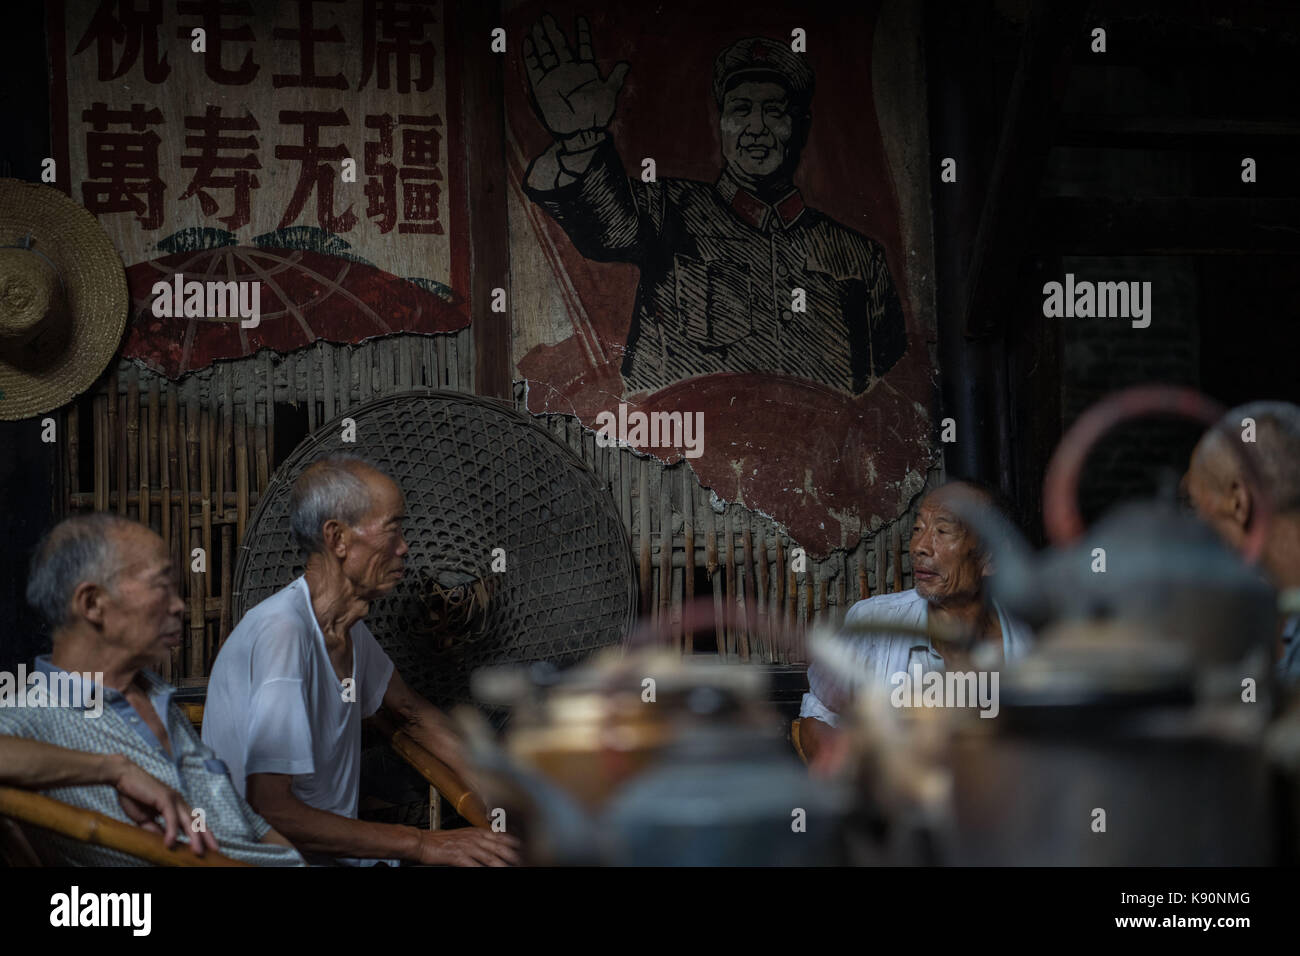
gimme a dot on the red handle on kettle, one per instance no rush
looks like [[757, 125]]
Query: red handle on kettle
[[1061, 517]]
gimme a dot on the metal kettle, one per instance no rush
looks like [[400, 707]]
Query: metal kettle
[[1149, 565], [649, 759]]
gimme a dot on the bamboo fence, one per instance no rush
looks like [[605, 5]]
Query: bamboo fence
[[191, 459]]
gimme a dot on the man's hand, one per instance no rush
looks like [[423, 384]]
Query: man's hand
[[144, 799], [575, 103], [469, 846]]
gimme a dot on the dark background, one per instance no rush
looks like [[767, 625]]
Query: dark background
[[1124, 166]]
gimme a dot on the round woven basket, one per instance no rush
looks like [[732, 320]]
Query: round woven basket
[[477, 476]]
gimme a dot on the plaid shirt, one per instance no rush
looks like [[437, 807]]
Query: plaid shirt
[[192, 769]]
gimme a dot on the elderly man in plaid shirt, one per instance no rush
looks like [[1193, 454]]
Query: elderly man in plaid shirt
[[107, 588]]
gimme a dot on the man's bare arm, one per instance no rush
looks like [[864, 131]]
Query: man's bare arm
[[319, 831], [277, 839], [426, 725]]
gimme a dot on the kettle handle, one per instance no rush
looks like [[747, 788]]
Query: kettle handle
[[1061, 517]]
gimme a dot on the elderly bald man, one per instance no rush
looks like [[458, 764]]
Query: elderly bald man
[[107, 588], [294, 680], [1216, 485], [949, 567]]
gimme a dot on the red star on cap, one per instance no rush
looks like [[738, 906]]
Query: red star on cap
[[757, 51]]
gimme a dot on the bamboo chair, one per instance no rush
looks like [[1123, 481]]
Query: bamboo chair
[[441, 778], [794, 739], [438, 775], [19, 807]]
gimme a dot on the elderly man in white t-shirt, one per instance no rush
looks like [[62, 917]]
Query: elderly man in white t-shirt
[[948, 569], [296, 677]]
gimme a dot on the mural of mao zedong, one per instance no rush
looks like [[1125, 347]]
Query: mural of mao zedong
[[737, 275]]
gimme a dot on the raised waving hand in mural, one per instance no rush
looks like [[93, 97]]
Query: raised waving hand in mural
[[574, 102]]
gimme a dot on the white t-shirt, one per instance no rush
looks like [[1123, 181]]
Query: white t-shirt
[[882, 655], [275, 705]]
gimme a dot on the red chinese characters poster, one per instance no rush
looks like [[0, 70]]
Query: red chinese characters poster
[[311, 147]]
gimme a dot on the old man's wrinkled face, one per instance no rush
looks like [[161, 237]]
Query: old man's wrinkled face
[[1208, 487], [376, 547], [141, 609], [756, 128], [947, 566]]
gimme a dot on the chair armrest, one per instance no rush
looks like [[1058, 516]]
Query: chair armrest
[[443, 779], [91, 826]]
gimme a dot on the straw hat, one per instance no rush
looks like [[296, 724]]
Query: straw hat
[[63, 299]]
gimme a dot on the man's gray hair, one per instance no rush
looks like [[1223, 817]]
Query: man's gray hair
[[1276, 447], [77, 549], [330, 488]]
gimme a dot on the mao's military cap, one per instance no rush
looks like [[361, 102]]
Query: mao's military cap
[[761, 58]]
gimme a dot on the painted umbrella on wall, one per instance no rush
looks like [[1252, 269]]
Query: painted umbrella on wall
[[309, 286]]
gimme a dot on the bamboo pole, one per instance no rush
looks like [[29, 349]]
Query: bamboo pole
[[128, 463], [167, 464], [148, 435], [327, 391], [643, 516], [882, 543], [897, 535], [101, 431], [401, 358], [666, 555], [190, 488], [261, 450], [749, 593], [343, 379], [779, 599], [762, 596], [793, 609], [625, 465], [224, 473], [291, 390], [97, 829], [270, 413], [430, 370], [241, 475], [842, 598], [257, 477], [167, 456], [452, 369], [688, 552], [823, 598], [864, 590], [227, 577], [809, 585], [207, 465], [114, 440], [72, 437], [711, 566], [729, 566], [309, 357]]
